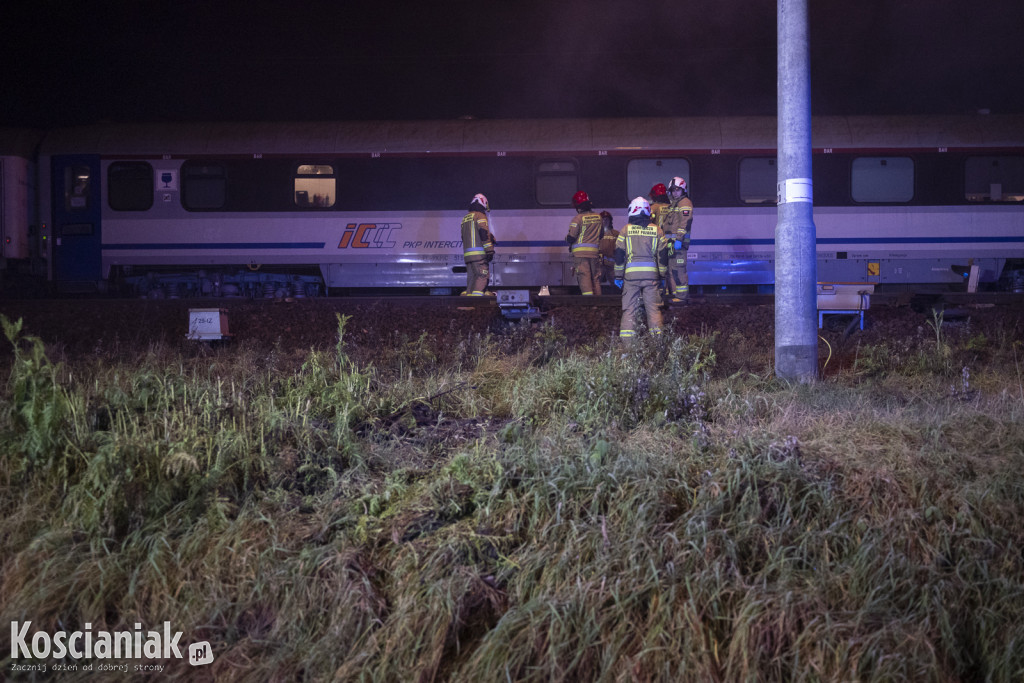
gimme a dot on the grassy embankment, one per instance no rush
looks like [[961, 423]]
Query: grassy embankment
[[514, 510]]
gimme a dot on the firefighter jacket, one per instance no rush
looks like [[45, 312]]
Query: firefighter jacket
[[658, 212], [676, 219], [477, 240], [607, 244], [585, 234], [641, 253]]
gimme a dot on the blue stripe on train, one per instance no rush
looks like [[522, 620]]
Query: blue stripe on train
[[219, 245], [506, 244]]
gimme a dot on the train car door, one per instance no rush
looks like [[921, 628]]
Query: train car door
[[76, 222]]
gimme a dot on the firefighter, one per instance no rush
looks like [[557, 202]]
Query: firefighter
[[641, 258], [659, 202], [607, 247], [675, 223], [477, 246], [583, 240]]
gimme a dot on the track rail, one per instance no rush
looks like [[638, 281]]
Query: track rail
[[547, 302]]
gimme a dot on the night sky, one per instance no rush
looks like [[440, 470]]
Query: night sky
[[71, 62]]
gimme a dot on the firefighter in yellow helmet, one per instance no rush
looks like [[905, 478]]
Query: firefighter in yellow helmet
[[675, 223], [583, 240], [641, 259], [477, 246]]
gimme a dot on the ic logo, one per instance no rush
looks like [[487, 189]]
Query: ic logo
[[200, 653], [368, 235]]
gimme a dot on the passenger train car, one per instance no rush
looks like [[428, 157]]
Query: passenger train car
[[18, 217], [312, 208]]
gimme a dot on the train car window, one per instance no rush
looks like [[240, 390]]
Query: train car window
[[759, 180], [203, 187], [882, 179], [643, 174], [77, 180], [315, 186], [130, 186], [557, 182], [994, 179]]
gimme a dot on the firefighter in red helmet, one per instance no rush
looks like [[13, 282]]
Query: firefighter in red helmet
[[583, 240], [659, 202]]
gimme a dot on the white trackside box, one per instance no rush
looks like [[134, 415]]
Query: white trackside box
[[515, 304], [206, 324], [845, 296]]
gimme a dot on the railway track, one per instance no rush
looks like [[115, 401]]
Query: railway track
[[119, 325], [547, 302], [917, 300]]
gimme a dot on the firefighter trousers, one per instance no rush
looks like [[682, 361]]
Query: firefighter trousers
[[679, 284], [636, 295], [477, 274], [588, 275]]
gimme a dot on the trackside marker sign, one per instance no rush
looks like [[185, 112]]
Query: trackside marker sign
[[88, 644]]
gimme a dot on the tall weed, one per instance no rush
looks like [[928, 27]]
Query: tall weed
[[661, 379], [36, 411]]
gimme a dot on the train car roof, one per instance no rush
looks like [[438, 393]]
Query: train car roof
[[19, 142], [529, 135]]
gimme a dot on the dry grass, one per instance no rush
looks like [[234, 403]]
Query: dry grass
[[514, 510]]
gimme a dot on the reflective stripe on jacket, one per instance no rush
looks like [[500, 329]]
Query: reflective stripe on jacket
[[640, 253], [476, 237], [585, 230], [676, 218]]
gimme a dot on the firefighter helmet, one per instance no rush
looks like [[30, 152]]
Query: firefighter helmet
[[481, 200], [639, 206], [579, 198], [679, 183], [658, 190]]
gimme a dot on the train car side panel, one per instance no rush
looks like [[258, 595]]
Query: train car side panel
[[901, 201]]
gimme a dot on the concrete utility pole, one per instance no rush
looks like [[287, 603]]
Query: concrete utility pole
[[796, 329]]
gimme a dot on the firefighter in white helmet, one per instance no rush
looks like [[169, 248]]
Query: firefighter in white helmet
[[675, 223], [477, 246], [641, 258]]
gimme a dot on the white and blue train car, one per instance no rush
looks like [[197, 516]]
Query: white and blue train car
[[19, 243], [900, 202]]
